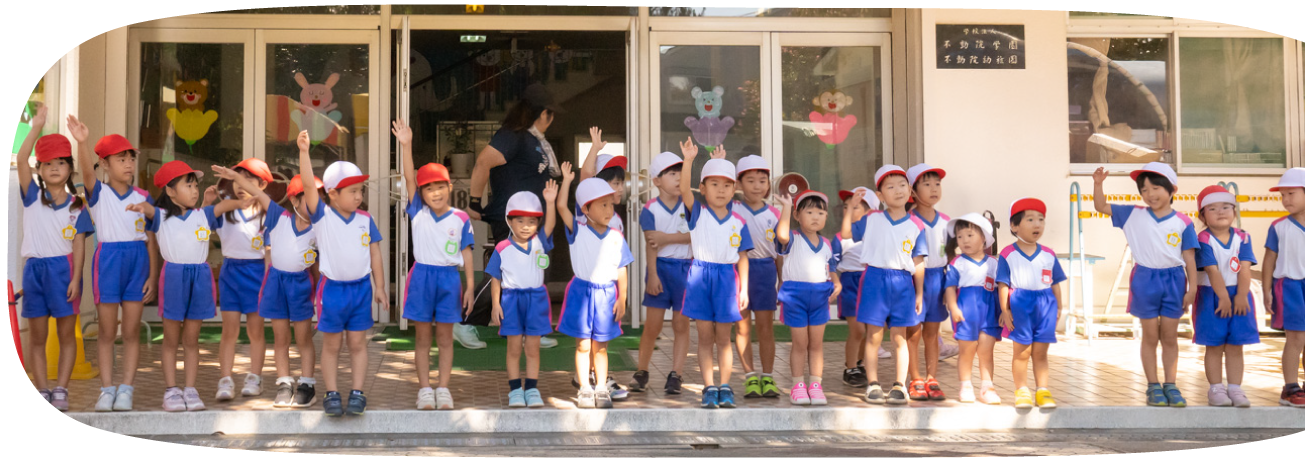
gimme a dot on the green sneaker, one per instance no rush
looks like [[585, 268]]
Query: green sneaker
[[768, 387], [1155, 396], [752, 387]]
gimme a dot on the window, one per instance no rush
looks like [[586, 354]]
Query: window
[[310, 10], [524, 10], [1119, 108], [773, 12], [1233, 102]]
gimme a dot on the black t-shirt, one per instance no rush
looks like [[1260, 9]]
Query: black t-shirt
[[525, 169]]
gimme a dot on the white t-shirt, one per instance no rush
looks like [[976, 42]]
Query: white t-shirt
[[889, 244], [807, 262], [761, 225], [851, 258], [345, 243], [291, 248], [184, 239], [113, 223], [49, 232], [597, 258], [1290, 235], [439, 240], [656, 216], [1230, 257], [1029, 272], [521, 268], [964, 271], [1156, 243], [242, 238], [936, 239], [717, 240]]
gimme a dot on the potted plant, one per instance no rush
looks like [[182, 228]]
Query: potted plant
[[458, 137]]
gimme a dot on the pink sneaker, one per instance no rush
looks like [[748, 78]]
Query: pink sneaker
[[798, 395], [173, 400], [817, 394]]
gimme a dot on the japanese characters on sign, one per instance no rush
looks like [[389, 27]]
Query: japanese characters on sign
[[970, 46]]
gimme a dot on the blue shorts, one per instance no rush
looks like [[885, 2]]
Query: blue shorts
[[119, 272], [1157, 292], [186, 292], [1288, 304], [674, 274], [344, 305], [804, 304], [1214, 330], [763, 278], [934, 308], [1033, 313], [238, 283], [45, 288], [979, 307], [433, 294], [286, 295], [526, 312], [589, 311], [712, 293], [887, 298], [847, 298]]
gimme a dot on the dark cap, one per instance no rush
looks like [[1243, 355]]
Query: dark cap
[[539, 96]]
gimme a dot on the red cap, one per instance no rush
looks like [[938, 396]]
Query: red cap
[[257, 168], [1028, 203], [296, 186], [432, 172], [113, 144], [1214, 194], [52, 146], [173, 170]]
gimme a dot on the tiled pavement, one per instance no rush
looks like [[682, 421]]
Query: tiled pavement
[[1106, 373]]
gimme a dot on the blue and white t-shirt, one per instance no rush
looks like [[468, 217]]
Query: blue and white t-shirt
[[49, 232], [715, 239], [597, 258], [964, 271], [345, 243], [656, 216], [761, 225], [1156, 243], [243, 238], [1288, 234], [438, 240], [850, 260], [113, 223], [1230, 257], [521, 268], [291, 247], [807, 262], [184, 239], [891, 244], [936, 239], [1035, 272]]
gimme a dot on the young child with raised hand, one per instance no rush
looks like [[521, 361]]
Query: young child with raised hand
[[717, 289], [1028, 291], [762, 219], [850, 267], [1284, 280], [55, 225], [595, 298], [809, 285], [1163, 282], [971, 299], [1223, 318], [893, 246], [186, 281], [926, 191], [353, 275], [611, 169], [442, 241], [669, 255], [522, 309]]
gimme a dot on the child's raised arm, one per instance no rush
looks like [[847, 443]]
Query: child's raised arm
[[85, 156], [589, 168], [689, 149], [229, 174], [1099, 191], [25, 152], [403, 133], [306, 174], [846, 229], [550, 209], [221, 208], [568, 220], [782, 234]]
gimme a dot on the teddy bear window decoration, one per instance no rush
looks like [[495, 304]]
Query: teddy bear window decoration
[[709, 129], [190, 121]]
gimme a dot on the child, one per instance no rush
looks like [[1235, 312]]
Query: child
[[522, 308], [1163, 282], [350, 255], [125, 269], [809, 285], [893, 246], [716, 292], [850, 267], [285, 296], [926, 191], [1028, 278], [442, 240], [241, 232], [972, 302], [669, 256], [610, 169], [1223, 318], [55, 225], [186, 281], [754, 181], [595, 298], [1284, 282]]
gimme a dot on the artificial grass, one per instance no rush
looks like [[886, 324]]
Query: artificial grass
[[494, 356]]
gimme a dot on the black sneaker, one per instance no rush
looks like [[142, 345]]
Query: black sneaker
[[357, 403], [305, 395], [673, 383], [640, 381], [284, 395], [855, 377], [332, 404]]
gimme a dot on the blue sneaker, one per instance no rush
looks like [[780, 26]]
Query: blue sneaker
[[1155, 396], [726, 396], [332, 404], [357, 403], [1175, 398], [710, 397]]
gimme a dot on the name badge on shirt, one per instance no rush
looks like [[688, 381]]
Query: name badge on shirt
[[1046, 276], [201, 234], [451, 247], [140, 224], [256, 243], [541, 260], [69, 232], [989, 284], [1235, 265], [310, 257], [1173, 239]]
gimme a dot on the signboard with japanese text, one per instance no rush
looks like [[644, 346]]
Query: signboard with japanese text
[[970, 46]]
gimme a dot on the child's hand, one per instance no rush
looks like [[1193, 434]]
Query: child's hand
[[1099, 176], [381, 297], [567, 174], [1188, 299], [550, 192], [148, 290], [596, 136], [655, 239], [838, 289], [919, 305], [497, 316], [401, 132], [1224, 309], [468, 302], [303, 141], [958, 317], [1268, 303], [1241, 305], [654, 286], [222, 172], [76, 128], [139, 207], [38, 120], [210, 195], [1005, 320], [74, 287], [743, 297], [719, 152], [857, 197], [619, 309], [689, 149], [785, 200]]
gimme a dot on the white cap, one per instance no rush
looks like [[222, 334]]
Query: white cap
[[916, 171], [868, 196], [1157, 168], [342, 174], [1294, 177], [885, 171], [591, 189], [810, 193], [977, 220], [524, 203], [605, 161], [753, 162], [662, 161], [718, 167]]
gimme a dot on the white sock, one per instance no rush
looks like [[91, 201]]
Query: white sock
[[306, 380], [767, 375], [814, 380], [1234, 386], [750, 374]]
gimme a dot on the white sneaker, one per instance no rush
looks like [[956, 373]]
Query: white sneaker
[[122, 402], [467, 337], [253, 385], [443, 399], [546, 342], [946, 351], [585, 398], [426, 399], [967, 393], [105, 402], [884, 353], [226, 389]]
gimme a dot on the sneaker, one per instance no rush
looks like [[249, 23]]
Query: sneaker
[[726, 396], [1175, 398], [934, 389], [710, 397], [1292, 397], [253, 385], [104, 403], [332, 404], [967, 393], [122, 402], [533, 398], [226, 389], [1155, 396], [855, 377], [673, 383], [1218, 396], [946, 351], [193, 403], [516, 398], [575, 382], [546, 342], [585, 398], [769, 388], [1044, 398], [874, 394], [752, 387], [173, 401], [468, 338], [989, 396], [45, 394], [426, 399], [602, 399], [884, 353], [917, 390], [305, 395], [798, 395], [443, 399], [1023, 398], [617, 392], [357, 403], [1238, 397], [897, 396], [285, 392], [59, 398], [817, 394], [640, 381]]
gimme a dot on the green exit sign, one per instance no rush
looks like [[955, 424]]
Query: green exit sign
[[473, 39]]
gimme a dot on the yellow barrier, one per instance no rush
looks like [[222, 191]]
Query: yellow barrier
[[1244, 214], [1183, 197], [81, 369]]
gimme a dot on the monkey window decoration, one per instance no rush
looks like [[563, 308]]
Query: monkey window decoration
[[829, 126]]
